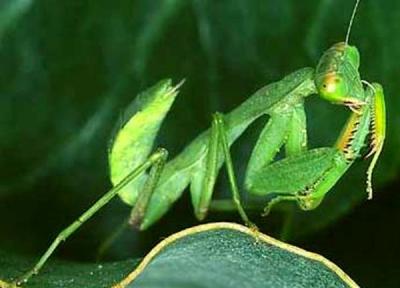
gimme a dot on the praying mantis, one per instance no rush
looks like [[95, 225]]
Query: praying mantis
[[147, 182]]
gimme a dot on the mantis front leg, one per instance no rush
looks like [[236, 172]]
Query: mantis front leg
[[314, 172]]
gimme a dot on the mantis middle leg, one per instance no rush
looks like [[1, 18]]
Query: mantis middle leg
[[218, 142], [285, 127]]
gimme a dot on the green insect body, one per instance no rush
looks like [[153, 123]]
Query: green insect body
[[150, 184], [313, 172]]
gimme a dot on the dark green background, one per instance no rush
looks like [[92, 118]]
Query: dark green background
[[69, 68]]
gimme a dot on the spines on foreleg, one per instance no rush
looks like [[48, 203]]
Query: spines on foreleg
[[378, 131]]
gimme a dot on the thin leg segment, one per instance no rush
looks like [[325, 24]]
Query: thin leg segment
[[154, 158], [211, 173], [219, 122], [142, 202], [218, 137]]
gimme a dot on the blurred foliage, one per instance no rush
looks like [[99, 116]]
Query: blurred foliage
[[69, 69]]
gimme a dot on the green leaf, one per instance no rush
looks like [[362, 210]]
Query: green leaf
[[223, 255], [214, 255], [62, 274]]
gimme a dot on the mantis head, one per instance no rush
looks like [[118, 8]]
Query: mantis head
[[335, 76]]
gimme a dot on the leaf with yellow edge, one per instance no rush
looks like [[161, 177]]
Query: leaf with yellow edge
[[215, 255], [222, 255]]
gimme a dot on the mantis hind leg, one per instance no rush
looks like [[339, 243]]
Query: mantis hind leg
[[139, 209], [143, 199], [64, 234]]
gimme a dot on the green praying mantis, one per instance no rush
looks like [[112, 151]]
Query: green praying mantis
[[146, 181]]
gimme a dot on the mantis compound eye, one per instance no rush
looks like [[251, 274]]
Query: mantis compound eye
[[333, 88]]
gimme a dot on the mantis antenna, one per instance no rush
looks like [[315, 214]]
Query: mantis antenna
[[351, 21]]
